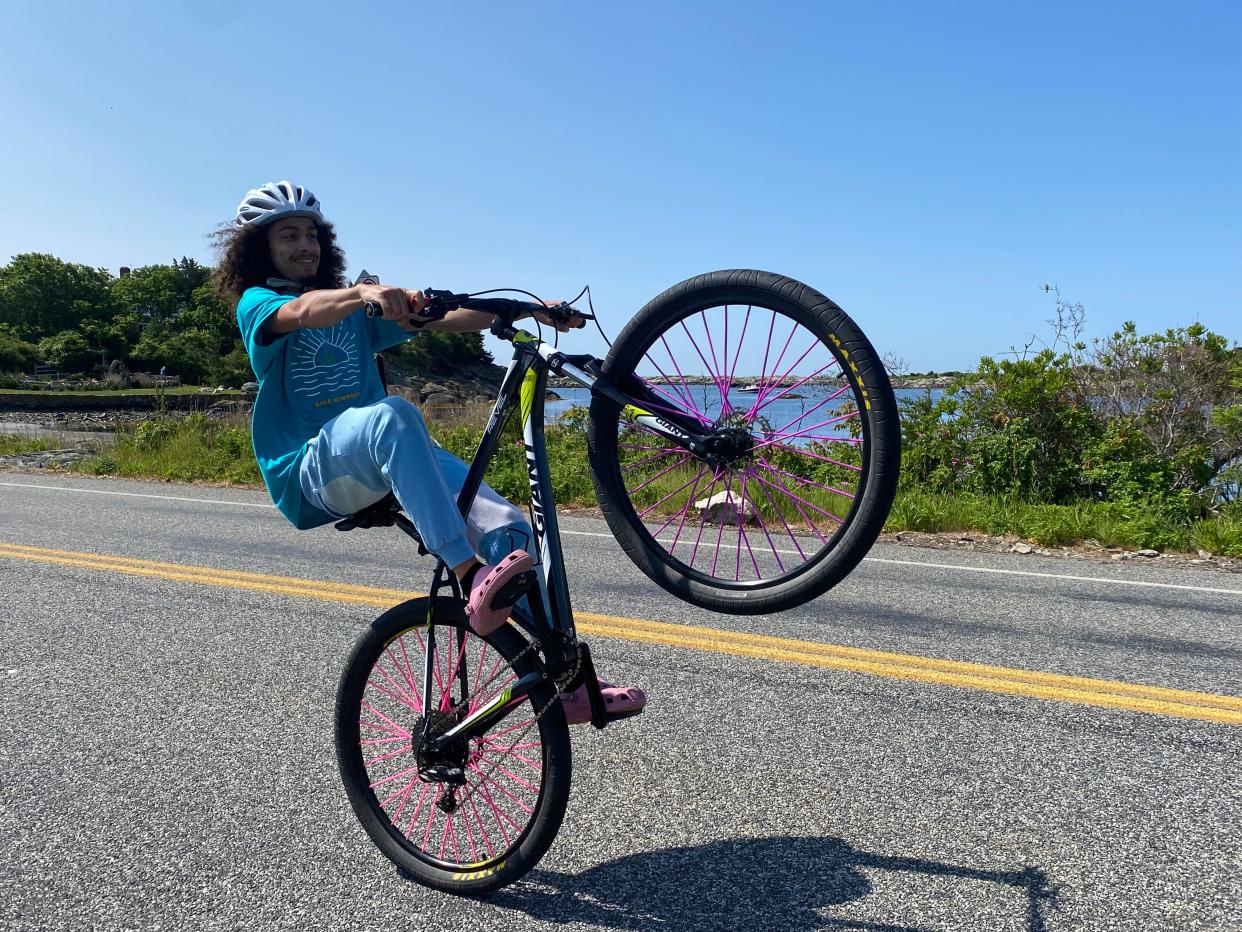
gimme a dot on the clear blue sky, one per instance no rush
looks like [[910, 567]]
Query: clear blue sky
[[928, 166]]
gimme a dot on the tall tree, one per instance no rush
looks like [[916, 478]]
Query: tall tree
[[151, 292], [41, 295], [208, 312]]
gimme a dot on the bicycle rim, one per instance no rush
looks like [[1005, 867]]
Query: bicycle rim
[[456, 829], [776, 386]]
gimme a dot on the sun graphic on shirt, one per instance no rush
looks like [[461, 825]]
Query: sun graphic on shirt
[[326, 361]]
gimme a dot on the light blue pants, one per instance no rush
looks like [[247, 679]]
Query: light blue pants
[[362, 453]]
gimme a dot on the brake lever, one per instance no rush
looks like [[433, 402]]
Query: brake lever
[[564, 312], [439, 303]]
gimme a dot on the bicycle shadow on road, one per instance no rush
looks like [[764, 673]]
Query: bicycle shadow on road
[[768, 883]]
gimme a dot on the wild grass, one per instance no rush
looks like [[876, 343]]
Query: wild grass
[[1101, 523], [199, 449], [191, 449], [15, 445]]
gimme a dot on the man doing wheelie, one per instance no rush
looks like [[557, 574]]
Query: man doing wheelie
[[328, 439]]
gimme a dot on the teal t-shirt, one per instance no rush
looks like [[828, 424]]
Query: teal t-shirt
[[306, 378]]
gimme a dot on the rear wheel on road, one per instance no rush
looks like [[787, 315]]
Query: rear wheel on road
[[488, 826]]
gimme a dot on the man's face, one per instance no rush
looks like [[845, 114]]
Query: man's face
[[294, 245]]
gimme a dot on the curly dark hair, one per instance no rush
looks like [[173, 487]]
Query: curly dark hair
[[245, 260]]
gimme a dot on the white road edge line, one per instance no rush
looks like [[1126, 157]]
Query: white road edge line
[[938, 566], [171, 498]]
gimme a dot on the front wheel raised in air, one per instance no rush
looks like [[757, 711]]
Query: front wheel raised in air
[[492, 807], [804, 436]]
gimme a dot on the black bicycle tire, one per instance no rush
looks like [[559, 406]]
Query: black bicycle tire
[[553, 798], [880, 420]]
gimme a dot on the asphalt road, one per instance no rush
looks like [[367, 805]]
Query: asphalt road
[[167, 757]]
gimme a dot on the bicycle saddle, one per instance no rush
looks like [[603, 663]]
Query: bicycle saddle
[[381, 514]]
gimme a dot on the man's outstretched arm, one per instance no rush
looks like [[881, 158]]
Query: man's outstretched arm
[[327, 306]]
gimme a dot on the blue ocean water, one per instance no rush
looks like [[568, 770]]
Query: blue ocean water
[[778, 411]]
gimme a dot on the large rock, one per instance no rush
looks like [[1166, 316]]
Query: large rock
[[725, 508]]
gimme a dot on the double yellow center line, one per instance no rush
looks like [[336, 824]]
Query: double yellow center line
[[1032, 684]]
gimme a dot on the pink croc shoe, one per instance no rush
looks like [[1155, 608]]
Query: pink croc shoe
[[619, 702], [495, 589]]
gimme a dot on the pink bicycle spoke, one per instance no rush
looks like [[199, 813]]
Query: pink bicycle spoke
[[777, 382], [510, 754], [673, 517], [417, 809], [815, 456], [491, 782], [796, 498], [715, 371], [678, 407], [431, 821], [686, 397], [389, 755], [478, 820], [383, 781], [741, 519], [706, 365], [740, 340], [525, 746], [435, 667], [516, 779], [512, 728], [763, 370], [720, 533], [396, 694], [816, 485], [685, 511], [749, 550], [646, 511], [802, 381], [397, 729], [501, 816], [781, 435], [680, 462], [408, 669], [680, 375], [644, 461], [474, 852], [371, 742], [387, 729], [702, 523], [404, 793], [648, 448], [788, 530], [766, 384], [478, 671]]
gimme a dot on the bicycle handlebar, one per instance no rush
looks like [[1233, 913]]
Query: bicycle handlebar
[[441, 302]]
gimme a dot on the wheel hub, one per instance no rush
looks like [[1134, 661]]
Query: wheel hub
[[728, 445]]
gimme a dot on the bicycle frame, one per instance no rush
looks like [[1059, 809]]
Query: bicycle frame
[[523, 389]]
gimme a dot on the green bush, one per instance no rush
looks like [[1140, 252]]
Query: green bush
[[11, 445], [16, 355], [193, 449], [232, 370], [1150, 423], [436, 353], [67, 351], [190, 355], [1221, 535], [151, 435]]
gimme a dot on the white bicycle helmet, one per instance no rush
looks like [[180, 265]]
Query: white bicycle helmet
[[275, 200]]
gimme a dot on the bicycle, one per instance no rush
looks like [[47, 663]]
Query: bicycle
[[456, 756]]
